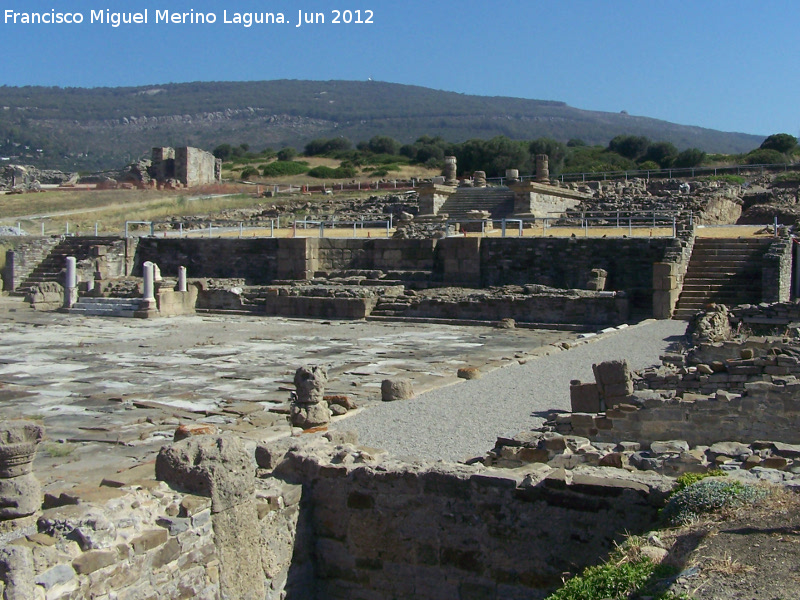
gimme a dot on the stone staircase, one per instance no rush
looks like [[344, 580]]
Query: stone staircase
[[51, 267], [106, 307], [499, 201], [392, 307], [722, 271]]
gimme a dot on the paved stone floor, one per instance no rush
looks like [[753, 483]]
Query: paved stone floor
[[110, 392]]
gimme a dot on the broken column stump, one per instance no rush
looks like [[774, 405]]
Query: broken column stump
[[308, 408]]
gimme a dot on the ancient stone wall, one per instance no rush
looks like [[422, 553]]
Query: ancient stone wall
[[24, 258], [392, 530], [668, 275], [137, 544], [567, 263], [255, 260], [776, 280], [194, 167], [765, 411], [378, 254], [592, 309]]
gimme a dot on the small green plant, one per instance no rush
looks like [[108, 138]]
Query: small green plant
[[56, 450], [732, 179], [708, 496], [619, 578], [789, 177], [688, 479]]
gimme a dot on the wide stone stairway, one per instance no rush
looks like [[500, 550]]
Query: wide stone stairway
[[499, 201], [722, 271], [51, 267]]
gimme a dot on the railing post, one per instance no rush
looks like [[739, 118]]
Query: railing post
[[503, 228]]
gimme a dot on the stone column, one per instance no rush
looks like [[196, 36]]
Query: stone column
[[148, 295], [512, 176], [479, 179], [542, 168], [308, 407], [71, 283], [156, 273], [450, 177], [20, 492], [181, 279]]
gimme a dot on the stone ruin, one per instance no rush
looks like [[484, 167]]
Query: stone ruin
[[174, 167]]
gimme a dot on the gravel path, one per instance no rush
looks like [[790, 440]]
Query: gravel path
[[464, 420]]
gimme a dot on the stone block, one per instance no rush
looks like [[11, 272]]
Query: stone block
[[396, 389], [149, 540], [215, 466], [94, 560], [584, 398]]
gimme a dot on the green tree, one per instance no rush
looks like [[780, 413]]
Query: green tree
[[663, 153], [691, 157], [629, 146], [287, 153], [383, 144], [223, 152], [781, 142]]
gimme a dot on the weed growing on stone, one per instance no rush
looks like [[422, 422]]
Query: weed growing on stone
[[55, 450], [688, 479]]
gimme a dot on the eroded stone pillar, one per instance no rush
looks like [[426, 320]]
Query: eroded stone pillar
[[181, 279], [156, 273], [308, 406], [542, 168], [20, 492], [479, 179], [450, 176], [512, 175]]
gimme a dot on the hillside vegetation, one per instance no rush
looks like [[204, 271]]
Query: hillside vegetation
[[102, 128]]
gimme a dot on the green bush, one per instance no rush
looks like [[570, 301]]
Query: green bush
[[707, 496], [649, 165], [249, 172], [342, 172], [764, 157], [283, 168], [688, 479]]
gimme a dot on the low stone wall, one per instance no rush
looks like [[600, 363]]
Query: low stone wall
[[764, 411], [592, 309]]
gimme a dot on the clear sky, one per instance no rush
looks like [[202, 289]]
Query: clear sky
[[724, 64]]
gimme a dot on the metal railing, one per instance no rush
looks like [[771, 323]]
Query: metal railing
[[668, 173]]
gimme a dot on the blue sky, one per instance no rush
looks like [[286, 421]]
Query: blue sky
[[729, 65]]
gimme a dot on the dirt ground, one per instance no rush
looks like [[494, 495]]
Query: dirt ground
[[751, 553]]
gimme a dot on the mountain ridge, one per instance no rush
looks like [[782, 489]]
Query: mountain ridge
[[101, 127]]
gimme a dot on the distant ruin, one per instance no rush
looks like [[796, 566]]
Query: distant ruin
[[191, 167]]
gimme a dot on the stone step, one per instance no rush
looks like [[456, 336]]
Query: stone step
[[106, 307]]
